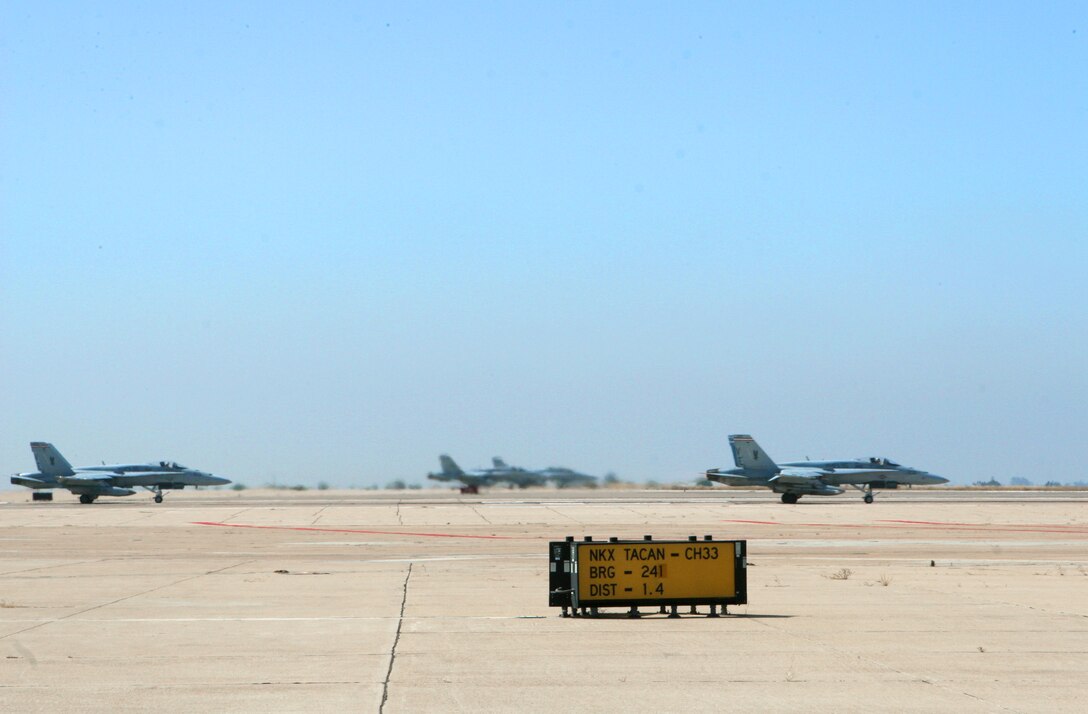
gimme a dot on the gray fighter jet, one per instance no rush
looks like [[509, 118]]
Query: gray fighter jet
[[514, 475], [472, 480], [567, 478], [90, 482], [816, 478]]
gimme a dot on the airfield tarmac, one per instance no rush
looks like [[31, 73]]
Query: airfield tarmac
[[432, 601]]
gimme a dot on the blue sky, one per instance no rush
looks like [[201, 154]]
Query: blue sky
[[289, 243]]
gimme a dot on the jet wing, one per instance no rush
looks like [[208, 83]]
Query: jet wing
[[103, 485], [798, 480]]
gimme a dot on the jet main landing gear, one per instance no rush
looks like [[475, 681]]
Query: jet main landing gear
[[86, 498], [790, 497]]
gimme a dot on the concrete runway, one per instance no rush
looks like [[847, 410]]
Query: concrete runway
[[428, 601]]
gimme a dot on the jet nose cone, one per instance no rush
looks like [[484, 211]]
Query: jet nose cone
[[934, 479], [217, 480]]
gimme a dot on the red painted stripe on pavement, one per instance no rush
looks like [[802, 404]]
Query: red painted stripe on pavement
[[360, 530], [949, 527], [1062, 528], [928, 523]]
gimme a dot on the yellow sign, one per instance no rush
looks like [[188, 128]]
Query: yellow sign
[[665, 570]]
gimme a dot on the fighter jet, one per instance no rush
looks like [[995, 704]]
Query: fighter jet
[[559, 475], [472, 480], [90, 482], [514, 475], [816, 478], [564, 477]]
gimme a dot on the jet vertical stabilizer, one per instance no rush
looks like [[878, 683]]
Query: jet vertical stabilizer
[[449, 466], [472, 480], [748, 456], [49, 460]]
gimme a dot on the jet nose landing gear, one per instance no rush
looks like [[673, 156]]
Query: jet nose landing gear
[[157, 490], [866, 490]]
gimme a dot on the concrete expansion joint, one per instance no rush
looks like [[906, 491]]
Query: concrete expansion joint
[[484, 518], [396, 639], [318, 515]]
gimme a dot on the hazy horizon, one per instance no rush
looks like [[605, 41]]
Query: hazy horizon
[[298, 244]]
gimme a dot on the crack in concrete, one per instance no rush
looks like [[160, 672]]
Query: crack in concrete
[[317, 516], [122, 599], [396, 641], [232, 516], [59, 565], [564, 515]]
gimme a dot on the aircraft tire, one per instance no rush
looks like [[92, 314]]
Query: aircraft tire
[[868, 498], [790, 498], [158, 498], [86, 499]]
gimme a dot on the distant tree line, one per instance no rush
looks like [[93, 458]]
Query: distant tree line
[[1021, 481]]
